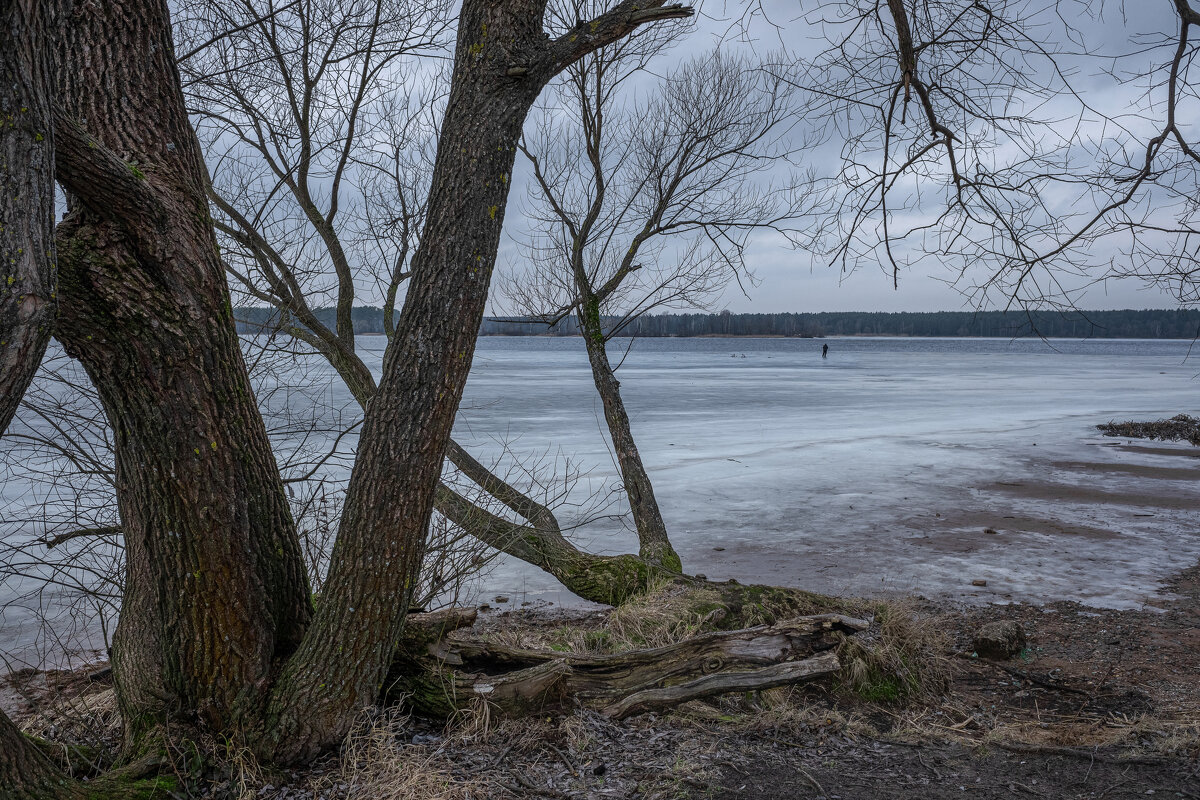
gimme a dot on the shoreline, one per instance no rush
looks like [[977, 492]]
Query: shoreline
[[1089, 516], [918, 337], [1094, 702]]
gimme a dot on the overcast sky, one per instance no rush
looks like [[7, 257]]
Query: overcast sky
[[1123, 41], [796, 280]]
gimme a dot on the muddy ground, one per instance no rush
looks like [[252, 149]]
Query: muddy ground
[[1102, 704]]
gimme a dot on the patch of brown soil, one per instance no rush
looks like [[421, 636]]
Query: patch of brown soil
[[1082, 494]]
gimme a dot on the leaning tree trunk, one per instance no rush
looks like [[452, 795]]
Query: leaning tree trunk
[[343, 661], [654, 545], [502, 61], [540, 542], [601, 579], [216, 592], [27, 294]]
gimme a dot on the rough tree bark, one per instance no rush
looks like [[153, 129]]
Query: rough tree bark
[[27, 203], [218, 605], [217, 593], [25, 771], [503, 59], [27, 293]]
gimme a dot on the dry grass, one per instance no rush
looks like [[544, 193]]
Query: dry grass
[[669, 613], [902, 657], [378, 764], [89, 720], [1140, 736], [666, 615]]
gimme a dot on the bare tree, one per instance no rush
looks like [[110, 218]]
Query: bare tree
[[217, 626], [644, 204], [321, 153], [1007, 141]]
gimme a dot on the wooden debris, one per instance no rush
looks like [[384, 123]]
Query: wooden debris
[[437, 675]]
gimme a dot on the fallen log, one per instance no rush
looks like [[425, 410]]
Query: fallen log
[[789, 672], [437, 675]]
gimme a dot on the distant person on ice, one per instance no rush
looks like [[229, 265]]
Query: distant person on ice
[[824, 351]]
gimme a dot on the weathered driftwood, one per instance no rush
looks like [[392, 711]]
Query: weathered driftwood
[[783, 674], [437, 675]]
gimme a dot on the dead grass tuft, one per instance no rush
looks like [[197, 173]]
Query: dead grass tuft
[[88, 720], [666, 615], [902, 657], [378, 764], [669, 613]]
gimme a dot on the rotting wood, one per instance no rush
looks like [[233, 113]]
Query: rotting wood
[[783, 674], [437, 675]]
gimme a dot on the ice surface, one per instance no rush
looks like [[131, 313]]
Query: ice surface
[[875, 470], [830, 474]]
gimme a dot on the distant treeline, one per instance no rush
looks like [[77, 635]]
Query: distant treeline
[[1149, 324]]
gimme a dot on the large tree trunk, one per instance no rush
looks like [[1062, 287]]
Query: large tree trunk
[[217, 593], [27, 293], [654, 545], [218, 598], [343, 661], [502, 61], [27, 201]]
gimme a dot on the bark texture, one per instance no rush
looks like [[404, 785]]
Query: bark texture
[[215, 626], [27, 278], [27, 291], [216, 589], [26, 773], [341, 666]]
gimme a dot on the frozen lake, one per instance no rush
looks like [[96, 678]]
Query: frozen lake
[[895, 465], [879, 468]]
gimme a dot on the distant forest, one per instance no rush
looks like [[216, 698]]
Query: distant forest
[[1147, 324]]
